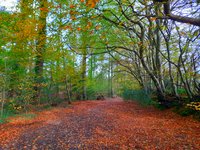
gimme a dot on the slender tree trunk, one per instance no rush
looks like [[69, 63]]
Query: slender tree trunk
[[181, 63], [157, 54], [91, 61], [67, 91], [174, 87], [195, 83], [3, 97], [110, 75], [83, 74], [160, 92]]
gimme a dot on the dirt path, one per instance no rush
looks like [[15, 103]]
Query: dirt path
[[104, 125]]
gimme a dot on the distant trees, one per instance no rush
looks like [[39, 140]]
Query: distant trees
[[52, 50]]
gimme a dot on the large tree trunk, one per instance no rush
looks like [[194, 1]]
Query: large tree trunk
[[157, 53], [40, 47]]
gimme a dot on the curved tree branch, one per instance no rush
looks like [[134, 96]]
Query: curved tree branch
[[183, 19]]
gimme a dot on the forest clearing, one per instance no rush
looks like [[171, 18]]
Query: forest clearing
[[99, 74], [110, 124]]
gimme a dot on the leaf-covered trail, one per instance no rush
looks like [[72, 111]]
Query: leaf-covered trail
[[111, 124]]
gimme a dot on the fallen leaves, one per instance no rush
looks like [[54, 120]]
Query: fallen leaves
[[111, 124]]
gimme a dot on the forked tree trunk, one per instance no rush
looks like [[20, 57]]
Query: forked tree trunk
[[159, 89]]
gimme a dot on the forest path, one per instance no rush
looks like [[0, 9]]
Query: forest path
[[104, 125]]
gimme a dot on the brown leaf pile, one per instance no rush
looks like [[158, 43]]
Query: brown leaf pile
[[111, 124]]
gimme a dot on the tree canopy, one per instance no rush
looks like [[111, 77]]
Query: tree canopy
[[72, 50]]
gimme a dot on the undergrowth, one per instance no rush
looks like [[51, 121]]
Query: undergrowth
[[5, 115], [140, 96], [189, 109], [25, 116], [145, 99]]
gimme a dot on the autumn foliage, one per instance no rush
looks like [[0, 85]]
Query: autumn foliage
[[91, 3], [57, 53]]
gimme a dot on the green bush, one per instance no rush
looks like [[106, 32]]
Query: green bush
[[5, 115], [181, 91], [47, 107], [91, 93], [157, 105], [141, 96], [10, 107], [188, 110]]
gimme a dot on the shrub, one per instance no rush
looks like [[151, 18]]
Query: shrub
[[5, 115], [194, 106], [141, 96], [181, 91]]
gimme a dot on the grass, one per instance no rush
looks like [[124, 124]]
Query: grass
[[25, 116], [6, 114], [14, 113]]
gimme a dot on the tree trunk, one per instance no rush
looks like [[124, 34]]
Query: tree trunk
[[160, 92], [157, 54], [174, 87], [83, 75], [110, 75], [3, 97], [40, 47]]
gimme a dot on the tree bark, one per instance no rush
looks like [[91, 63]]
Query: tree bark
[[40, 47], [83, 75]]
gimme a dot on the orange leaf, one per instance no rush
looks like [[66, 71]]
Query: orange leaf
[[44, 9], [67, 27], [73, 17], [72, 6], [153, 18], [98, 27], [91, 32], [92, 3]]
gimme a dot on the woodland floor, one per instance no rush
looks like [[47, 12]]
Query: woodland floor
[[104, 125]]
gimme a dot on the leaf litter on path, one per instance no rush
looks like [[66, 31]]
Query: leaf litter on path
[[110, 124]]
